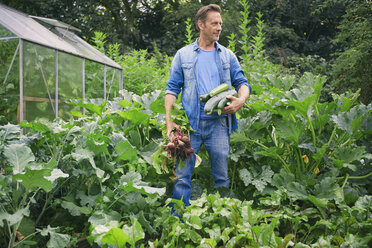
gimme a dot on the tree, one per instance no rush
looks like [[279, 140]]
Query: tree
[[352, 68]]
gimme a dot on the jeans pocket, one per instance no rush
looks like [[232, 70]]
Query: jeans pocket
[[224, 122]]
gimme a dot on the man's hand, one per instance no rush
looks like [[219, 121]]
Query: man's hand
[[235, 105], [237, 102], [170, 126]]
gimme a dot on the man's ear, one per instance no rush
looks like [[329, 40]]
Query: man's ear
[[200, 25]]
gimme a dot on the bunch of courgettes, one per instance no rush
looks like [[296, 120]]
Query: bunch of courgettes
[[216, 99]]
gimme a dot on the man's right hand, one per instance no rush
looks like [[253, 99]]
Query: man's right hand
[[170, 126]]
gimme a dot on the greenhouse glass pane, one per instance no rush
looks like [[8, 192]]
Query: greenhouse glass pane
[[112, 83], [9, 87], [94, 86], [70, 83], [38, 82], [5, 33]]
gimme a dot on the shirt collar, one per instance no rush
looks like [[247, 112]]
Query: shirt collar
[[196, 46]]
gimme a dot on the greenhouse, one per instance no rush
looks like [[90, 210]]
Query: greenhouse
[[44, 64]]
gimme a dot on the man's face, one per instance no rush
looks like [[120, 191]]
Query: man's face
[[212, 27]]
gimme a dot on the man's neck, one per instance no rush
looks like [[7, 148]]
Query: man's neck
[[206, 45]]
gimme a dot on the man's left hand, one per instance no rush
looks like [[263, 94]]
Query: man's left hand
[[235, 105]]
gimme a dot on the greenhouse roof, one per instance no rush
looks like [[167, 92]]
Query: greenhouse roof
[[57, 36]]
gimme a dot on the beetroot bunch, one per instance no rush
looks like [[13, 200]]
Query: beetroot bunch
[[179, 146]]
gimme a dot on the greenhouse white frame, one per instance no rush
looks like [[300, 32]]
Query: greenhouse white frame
[[38, 30]]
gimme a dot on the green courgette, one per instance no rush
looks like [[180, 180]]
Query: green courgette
[[212, 103], [204, 97], [224, 102], [220, 88]]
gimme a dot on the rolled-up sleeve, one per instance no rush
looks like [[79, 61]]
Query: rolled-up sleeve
[[237, 74], [175, 82]]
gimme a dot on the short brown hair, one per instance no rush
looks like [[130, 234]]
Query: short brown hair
[[202, 13]]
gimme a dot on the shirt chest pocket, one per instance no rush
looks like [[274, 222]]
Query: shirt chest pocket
[[188, 72], [226, 72]]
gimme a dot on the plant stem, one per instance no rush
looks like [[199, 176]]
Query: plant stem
[[345, 181], [116, 201], [48, 198], [312, 131], [286, 167], [30, 235], [356, 177]]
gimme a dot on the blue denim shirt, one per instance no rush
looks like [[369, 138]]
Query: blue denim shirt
[[183, 76]]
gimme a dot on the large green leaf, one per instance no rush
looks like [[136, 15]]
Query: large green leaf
[[81, 154], [115, 236], [146, 190], [256, 178], [96, 108], [289, 130], [35, 178], [55, 174], [56, 239], [73, 209], [158, 106], [15, 218], [18, 156], [125, 151], [305, 107], [135, 232], [98, 143], [193, 221], [9, 131], [352, 120], [296, 190], [344, 156], [364, 204], [135, 116], [102, 217]]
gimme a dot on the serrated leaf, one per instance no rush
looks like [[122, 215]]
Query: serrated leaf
[[296, 190], [349, 154], [258, 179], [329, 189], [35, 178], [71, 207], [352, 120], [18, 156], [15, 218], [364, 203], [146, 190], [289, 130], [56, 173]]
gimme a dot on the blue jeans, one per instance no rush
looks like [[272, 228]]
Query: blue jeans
[[214, 135]]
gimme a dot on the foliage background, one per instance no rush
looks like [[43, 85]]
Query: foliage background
[[331, 37], [300, 165]]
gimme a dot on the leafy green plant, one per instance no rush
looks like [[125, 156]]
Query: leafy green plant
[[189, 35]]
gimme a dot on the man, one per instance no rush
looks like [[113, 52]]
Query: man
[[197, 69]]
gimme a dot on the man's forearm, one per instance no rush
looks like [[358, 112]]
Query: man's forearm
[[243, 92], [169, 101]]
